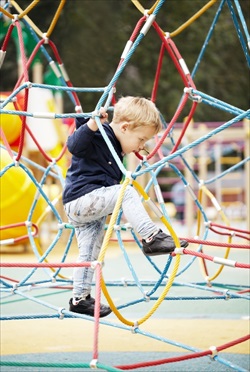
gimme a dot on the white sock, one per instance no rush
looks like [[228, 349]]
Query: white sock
[[76, 300], [150, 237]]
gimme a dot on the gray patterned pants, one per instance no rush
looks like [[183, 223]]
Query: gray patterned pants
[[88, 215]]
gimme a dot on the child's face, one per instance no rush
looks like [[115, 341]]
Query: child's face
[[133, 140]]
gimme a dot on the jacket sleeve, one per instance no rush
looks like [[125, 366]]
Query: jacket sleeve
[[80, 141]]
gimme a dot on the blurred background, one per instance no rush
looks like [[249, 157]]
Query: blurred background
[[91, 35]]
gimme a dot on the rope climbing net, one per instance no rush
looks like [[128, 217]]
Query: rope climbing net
[[39, 208]]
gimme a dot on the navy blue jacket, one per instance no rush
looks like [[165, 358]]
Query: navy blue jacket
[[92, 165]]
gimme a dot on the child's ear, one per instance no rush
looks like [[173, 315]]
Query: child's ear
[[124, 127]]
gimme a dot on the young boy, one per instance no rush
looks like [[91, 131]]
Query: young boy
[[93, 184]]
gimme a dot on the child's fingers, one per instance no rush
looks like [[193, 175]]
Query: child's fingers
[[103, 115]]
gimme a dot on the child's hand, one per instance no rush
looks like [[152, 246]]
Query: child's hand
[[103, 115], [103, 118]]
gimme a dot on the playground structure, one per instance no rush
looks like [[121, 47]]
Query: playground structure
[[35, 189], [223, 154]]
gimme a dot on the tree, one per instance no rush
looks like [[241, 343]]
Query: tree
[[91, 35]]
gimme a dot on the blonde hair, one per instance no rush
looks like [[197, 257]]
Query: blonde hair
[[137, 111]]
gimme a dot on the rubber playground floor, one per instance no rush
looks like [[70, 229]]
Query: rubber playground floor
[[197, 324]]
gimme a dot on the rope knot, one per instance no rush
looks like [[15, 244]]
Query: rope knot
[[60, 312], [135, 326], [214, 351]]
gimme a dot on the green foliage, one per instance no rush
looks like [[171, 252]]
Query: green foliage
[[91, 35]]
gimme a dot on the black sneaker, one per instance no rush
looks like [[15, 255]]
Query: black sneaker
[[161, 243], [87, 306]]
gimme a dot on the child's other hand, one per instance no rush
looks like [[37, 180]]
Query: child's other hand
[[103, 115], [103, 118]]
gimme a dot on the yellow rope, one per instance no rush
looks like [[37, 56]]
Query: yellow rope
[[28, 9], [5, 12], [142, 10], [56, 17], [210, 279], [199, 214], [23, 14], [184, 25], [27, 19], [225, 219], [171, 278], [138, 6], [113, 220], [193, 18], [153, 309]]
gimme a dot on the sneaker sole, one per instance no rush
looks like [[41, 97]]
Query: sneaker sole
[[157, 253], [102, 314]]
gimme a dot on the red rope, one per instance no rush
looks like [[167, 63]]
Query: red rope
[[233, 343], [24, 126], [32, 56], [23, 237], [45, 155], [229, 228], [217, 244], [6, 143], [26, 94], [169, 45], [43, 264], [23, 119], [170, 125], [190, 116], [10, 279], [98, 273], [186, 77], [203, 242], [132, 38], [157, 74], [244, 291], [228, 234], [22, 51], [211, 258], [68, 82], [175, 55], [7, 37], [137, 28], [198, 354]]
